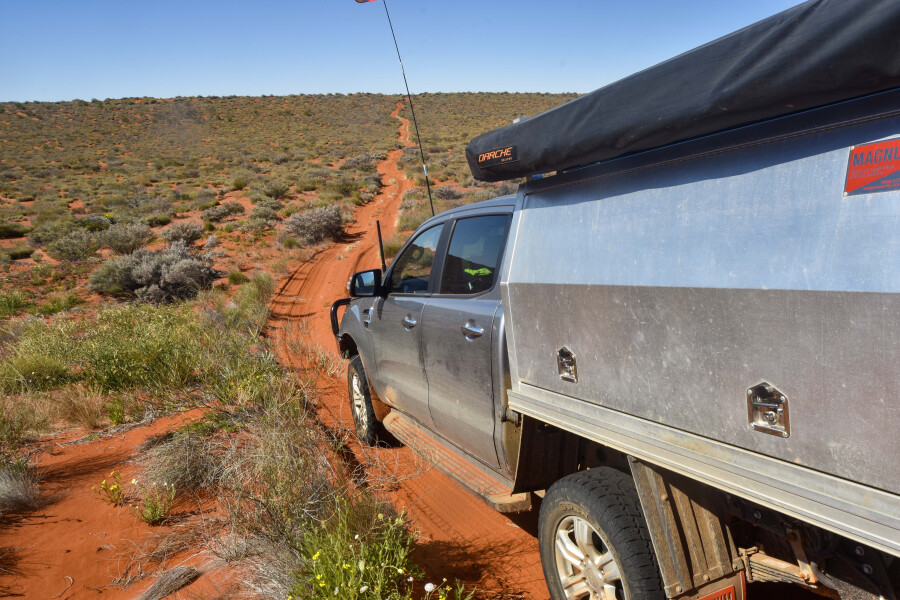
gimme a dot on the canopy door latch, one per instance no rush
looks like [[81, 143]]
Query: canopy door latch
[[767, 410]]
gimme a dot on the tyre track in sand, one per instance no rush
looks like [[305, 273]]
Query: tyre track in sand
[[459, 536]]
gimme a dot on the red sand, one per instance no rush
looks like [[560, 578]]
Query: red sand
[[78, 544]]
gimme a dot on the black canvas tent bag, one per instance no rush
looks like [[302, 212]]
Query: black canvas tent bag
[[817, 53]]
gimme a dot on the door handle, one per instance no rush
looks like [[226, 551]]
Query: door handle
[[409, 322], [470, 331]]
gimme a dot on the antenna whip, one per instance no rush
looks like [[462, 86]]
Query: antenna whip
[[408, 97]]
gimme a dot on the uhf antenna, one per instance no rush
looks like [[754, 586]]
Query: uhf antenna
[[411, 107]]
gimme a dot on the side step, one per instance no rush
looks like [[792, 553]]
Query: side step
[[492, 488]]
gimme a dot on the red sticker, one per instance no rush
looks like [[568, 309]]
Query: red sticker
[[873, 168]]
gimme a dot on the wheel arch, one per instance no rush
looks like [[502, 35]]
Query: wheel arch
[[347, 346], [547, 454]]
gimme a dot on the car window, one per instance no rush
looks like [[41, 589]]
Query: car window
[[412, 270], [474, 254]]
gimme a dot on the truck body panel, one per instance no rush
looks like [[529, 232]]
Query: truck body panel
[[679, 283]]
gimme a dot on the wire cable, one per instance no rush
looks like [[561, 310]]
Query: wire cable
[[411, 107]]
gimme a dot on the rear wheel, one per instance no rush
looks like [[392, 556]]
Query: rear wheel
[[361, 402], [594, 541]]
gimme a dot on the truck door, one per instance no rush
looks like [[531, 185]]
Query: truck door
[[395, 322], [457, 335]]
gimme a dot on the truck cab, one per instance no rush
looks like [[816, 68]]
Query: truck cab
[[431, 332]]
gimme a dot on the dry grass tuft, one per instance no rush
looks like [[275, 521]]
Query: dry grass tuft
[[170, 582], [186, 459], [19, 486], [84, 406]]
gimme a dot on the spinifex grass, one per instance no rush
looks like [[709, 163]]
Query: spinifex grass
[[126, 347], [154, 348]]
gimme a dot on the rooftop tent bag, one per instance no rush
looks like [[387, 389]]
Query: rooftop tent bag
[[818, 53]]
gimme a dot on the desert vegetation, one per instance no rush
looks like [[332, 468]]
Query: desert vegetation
[[138, 243], [81, 182], [300, 521]]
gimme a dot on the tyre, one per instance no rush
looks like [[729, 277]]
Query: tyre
[[367, 425], [594, 541]]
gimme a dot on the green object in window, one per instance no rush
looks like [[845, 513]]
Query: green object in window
[[478, 272]]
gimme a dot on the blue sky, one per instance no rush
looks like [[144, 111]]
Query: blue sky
[[62, 50]]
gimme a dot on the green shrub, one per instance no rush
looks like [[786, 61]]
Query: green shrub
[[206, 204], [410, 221], [153, 348], [237, 278], [262, 218], [310, 185], [343, 188], [140, 346], [393, 245], [238, 183], [186, 231], [125, 238], [364, 162], [59, 304], [19, 252], [12, 303], [290, 243], [13, 230], [226, 209], [269, 203], [37, 358], [313, 226], [155, 276], [115, 411], [78, 244], [205, 196], [157, 220], [276, 189], [446, 192], [49, 232], [290, 209], [94, 223]]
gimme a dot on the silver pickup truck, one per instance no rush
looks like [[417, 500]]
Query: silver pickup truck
[[686, 340]]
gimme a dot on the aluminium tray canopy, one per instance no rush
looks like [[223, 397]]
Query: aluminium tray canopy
[[817, 53]]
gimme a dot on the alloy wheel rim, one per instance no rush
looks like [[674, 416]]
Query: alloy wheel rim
[[586, 567], [358, 402]]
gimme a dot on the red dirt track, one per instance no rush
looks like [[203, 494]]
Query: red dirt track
[[459, 536]]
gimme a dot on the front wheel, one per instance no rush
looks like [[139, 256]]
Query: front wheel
[[594, 541], [361, 402]]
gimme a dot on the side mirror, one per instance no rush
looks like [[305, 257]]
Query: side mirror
[[365, 283]]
